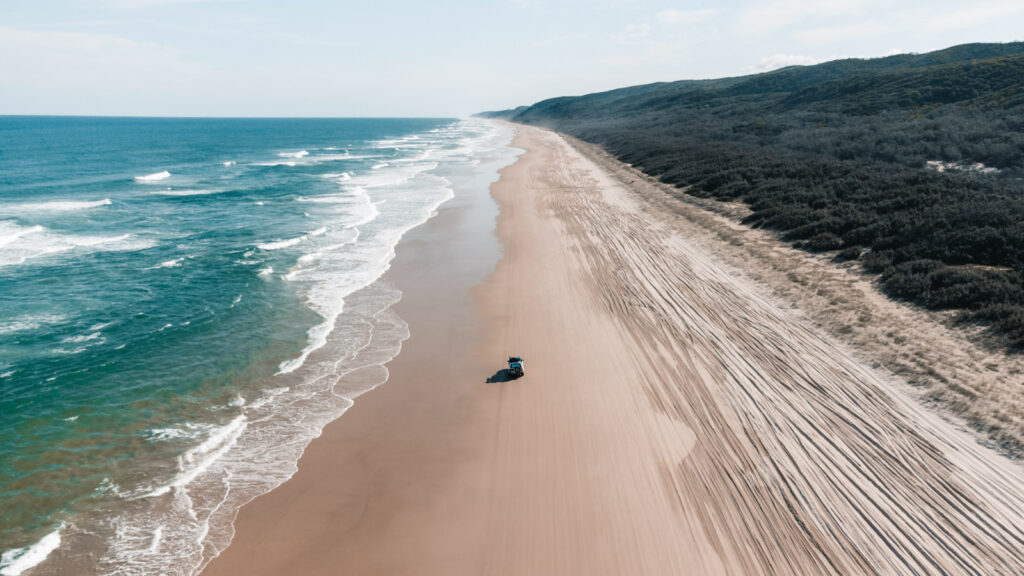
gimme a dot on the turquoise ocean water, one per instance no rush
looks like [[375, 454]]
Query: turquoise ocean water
[[184, 304]]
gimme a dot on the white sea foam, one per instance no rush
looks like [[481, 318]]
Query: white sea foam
[[413, 207], [154, 545], [86, 341], [395, 176], [11, 232], [292, 159], [97, 240], [326, 199], [344, 357], [155, 177], [18, 244], [53, 206], [187, 192], [365, 212], [168, 264], [197, 460], [69, 351], [81, 338], [187, 431], [163, 434], [71, 418], [306, 259], [280, 244], [14, 562], [327, 294], [338, 157], [229, 163], [266, 272], [268, 397], [31, 322], [287, 163], [299, 154], [399, 143], [108, 486]]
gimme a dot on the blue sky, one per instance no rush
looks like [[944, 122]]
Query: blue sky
[[439, 58]]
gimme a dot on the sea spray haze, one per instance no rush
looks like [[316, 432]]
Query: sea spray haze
[[184, 304]]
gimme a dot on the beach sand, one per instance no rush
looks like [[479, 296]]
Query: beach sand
[[674, 419]]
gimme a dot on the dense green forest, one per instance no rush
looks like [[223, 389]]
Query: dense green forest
[[911, 164]]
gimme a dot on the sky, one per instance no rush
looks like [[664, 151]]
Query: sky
[[440, 58]]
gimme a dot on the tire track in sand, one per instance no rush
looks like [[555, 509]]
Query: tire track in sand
[[806, 461]]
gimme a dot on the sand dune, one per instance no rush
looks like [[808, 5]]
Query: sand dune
[[674, 419]]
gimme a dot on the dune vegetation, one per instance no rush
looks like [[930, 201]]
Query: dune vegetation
[[910, 164]]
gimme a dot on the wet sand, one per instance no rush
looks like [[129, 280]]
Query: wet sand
[[674, 419]]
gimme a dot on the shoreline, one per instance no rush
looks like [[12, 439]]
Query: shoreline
[[444, 479], [367, 448], [248, 438], [672, 419]]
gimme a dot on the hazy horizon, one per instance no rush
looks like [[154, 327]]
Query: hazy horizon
[[238, 58]]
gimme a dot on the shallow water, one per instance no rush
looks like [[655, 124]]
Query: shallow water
[[184, 304]]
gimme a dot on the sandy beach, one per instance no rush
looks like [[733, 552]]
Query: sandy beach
[[676, 417]]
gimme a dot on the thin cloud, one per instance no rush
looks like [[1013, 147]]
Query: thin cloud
[[128, 5], [92, 67], [825, 35], [776, 61], [772, 16], [633, 33], [927, 20], [68, 41], [561, 39], [971, 17], [673, 16]]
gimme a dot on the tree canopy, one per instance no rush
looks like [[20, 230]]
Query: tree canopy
[[911, 164]]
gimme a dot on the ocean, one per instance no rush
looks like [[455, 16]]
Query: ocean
[[185, 304]]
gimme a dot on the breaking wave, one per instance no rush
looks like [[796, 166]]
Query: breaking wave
[[155, 177]]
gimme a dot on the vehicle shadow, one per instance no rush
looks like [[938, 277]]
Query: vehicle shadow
[[500, 376]]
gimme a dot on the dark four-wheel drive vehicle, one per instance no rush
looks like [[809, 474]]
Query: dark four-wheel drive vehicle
[[515, 366]]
